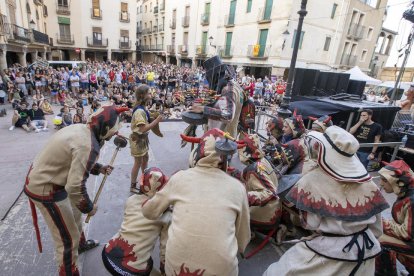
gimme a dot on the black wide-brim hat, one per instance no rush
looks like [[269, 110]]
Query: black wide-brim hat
[[212, 63]]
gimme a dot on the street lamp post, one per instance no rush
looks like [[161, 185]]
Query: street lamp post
[[284, 111]]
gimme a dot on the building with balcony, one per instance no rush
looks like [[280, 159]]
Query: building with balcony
[[92, 29], [383, 47], [23, 32], [357, 45], [151, 19]]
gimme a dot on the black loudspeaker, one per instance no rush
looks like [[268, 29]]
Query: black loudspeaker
[[332, 83], [305, 82], [356, 87], [343, 81], [321, 84]]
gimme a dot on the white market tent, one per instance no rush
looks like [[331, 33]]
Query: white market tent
[[357, 74]]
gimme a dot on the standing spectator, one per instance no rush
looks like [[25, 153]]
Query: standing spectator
[[37, 118], [21, 83], [258, 88], [150, 77], [366, 131], [84, 80], [74, 82]]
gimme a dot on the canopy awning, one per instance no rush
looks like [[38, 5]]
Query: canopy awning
[[357, 74]]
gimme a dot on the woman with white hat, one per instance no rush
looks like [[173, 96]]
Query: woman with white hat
[[339, 201], [398, 238]]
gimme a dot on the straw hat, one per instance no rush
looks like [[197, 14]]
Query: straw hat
[[337, 155]]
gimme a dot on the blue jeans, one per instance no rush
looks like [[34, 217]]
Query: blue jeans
[[363, 157]]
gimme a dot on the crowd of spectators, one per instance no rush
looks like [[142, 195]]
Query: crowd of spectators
[[79, 91]]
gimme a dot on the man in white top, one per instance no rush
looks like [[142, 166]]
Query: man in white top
[[74, 80]]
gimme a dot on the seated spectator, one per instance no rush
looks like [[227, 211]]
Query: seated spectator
[[64, 118], [47, 107], [384, 97], [79, 117], [371, 97], [94, 106], [366, 131], [61, 97], [38, 98], [407, 103], [37, 118], [21, 118]]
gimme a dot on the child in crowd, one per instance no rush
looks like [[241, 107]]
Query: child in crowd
[[140, 125], [47, 107], [79, 117], [61, 97]]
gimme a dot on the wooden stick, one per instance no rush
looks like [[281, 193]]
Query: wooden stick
[[98, 193]]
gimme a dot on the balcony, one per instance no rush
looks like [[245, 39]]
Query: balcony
[[125, 44], [4, 27], [145, 31], [38, 2], [62, 9], [264, 16], [159, 47], [156, 10], [162, 7], [183, 49], [348, 60], [225, 51], [96, 13], [205, 19], [171, 49], [139, 30], [65, 39], [40, 37], [201, 50], [124, 17], [100, 43], [155, 29], [161, 28], [18, 33], [356, 31], [229, 20], [185, 21], [258, 51], [173, 24], [145, 48]]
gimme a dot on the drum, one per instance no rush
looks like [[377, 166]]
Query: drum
[[194, 118]]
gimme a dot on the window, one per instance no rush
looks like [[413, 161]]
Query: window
[[364, 55], [28, 8], [327, 43], [249, 6], [125, 36], [96, 8], [146, 9], [334, 6], [64, 31], [300, 39], [63, 3], [124, 11], [227, 49], [97, 33], [370, 33]]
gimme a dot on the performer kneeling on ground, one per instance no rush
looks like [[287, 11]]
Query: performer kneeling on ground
[[210, 221], [129, 251], [342, 204], [261, 183], [398, 239], [56, 183]]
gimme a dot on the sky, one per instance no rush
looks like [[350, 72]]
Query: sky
[[395, 22]]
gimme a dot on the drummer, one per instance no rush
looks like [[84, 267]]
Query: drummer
[[225, 112]]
